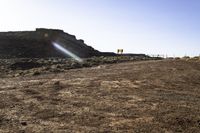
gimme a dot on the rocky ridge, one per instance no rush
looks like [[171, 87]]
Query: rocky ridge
[[38, 44]]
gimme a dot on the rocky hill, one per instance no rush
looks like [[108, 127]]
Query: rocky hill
[[38, 44]]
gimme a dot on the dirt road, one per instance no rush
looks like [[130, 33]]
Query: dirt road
[[148, 96]]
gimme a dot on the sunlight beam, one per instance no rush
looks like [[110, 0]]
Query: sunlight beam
[[67, 52]]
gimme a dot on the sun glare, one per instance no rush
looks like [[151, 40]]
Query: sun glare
[[66, 52]]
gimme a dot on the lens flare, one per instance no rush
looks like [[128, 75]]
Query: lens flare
[[67, 52]]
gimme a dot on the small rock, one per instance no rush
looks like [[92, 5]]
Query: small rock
[[36, 73], [24, 123], [17, 75], [57, 83]]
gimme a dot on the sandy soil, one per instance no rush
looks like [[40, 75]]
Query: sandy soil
[[146, 96]]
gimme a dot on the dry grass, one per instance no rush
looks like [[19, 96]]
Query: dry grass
[[149, 96]]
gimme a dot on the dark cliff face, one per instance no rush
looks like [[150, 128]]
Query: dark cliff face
[[39, 44]]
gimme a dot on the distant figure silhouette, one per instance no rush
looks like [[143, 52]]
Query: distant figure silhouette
[[120, 51]]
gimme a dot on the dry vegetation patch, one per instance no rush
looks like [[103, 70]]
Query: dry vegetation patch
[[146, 96]]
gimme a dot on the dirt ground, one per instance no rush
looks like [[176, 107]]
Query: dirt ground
[[145, 96]]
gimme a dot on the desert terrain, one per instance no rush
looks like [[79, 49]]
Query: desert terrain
[[134, 96]]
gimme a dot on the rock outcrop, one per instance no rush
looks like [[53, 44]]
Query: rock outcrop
[[38, 44]]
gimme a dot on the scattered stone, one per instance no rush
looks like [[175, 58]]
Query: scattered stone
[[24, 65], [57, 83], [24, 123], [33, 67], [17, 75], [36, 73]]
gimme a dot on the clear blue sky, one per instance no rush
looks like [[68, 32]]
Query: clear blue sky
[[138, 26]]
